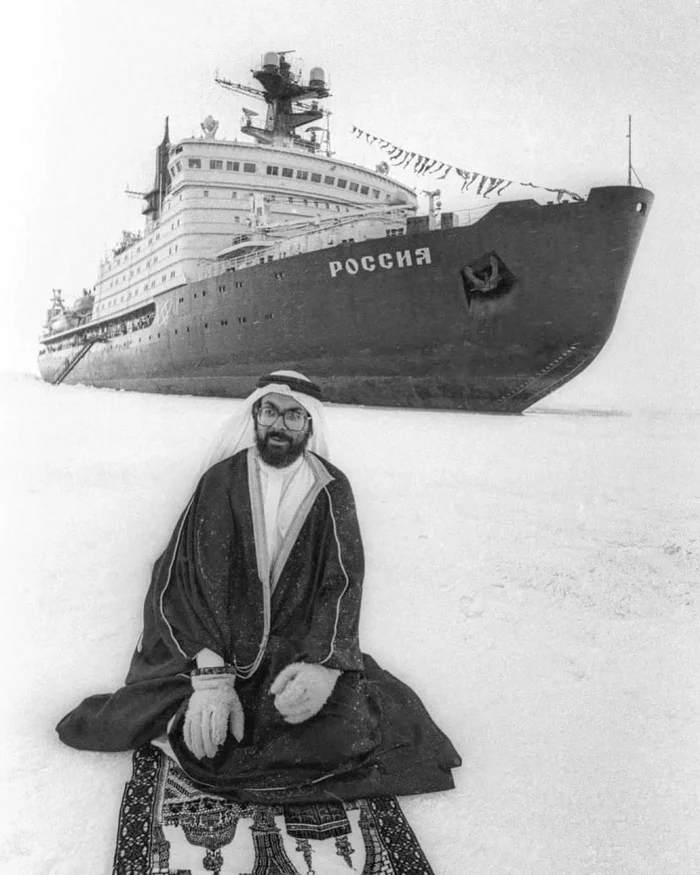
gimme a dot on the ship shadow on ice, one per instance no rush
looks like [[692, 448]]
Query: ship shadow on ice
[[580, 411]]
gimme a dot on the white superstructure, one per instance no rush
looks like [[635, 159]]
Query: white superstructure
[[226, 200]]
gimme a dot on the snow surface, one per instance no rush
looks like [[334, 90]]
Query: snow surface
[[534, 578]]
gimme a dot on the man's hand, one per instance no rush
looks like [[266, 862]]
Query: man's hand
[[301, 690], [214, 706]]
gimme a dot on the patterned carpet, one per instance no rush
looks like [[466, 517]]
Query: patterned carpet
[[168, 827]]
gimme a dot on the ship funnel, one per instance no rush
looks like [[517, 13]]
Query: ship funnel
[[317, 78], [271, 62]]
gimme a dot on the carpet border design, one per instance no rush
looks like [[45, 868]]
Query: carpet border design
[[136, 832]]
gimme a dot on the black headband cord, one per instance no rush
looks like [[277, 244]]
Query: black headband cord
[[305, 387]]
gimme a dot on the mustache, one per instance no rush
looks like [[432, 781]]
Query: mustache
[[278, 435]]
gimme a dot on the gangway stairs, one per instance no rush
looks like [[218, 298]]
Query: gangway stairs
[[84, 350]]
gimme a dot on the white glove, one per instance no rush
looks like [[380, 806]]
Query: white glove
[[302, 689], [214, 706]]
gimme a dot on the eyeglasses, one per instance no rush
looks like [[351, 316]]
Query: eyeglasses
[[294, 420]]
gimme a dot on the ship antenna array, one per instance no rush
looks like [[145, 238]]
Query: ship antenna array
[[630, 168]]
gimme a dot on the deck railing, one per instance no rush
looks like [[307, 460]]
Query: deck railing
[[292, 245]]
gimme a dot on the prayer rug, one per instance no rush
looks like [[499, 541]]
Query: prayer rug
[[169, 827]]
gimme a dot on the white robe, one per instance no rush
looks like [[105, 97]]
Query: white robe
[[283, 490]]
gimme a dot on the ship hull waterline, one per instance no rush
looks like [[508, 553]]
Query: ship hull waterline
[[396, 321]]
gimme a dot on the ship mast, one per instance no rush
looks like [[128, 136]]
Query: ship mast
[[629, 150], [283, 92], [630, 168], [161, 185]]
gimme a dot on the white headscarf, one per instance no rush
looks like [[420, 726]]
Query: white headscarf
[[238, 432]]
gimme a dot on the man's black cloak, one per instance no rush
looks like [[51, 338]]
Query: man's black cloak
[[212, 589]]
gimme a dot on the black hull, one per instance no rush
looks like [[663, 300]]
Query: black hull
[[379, 327]]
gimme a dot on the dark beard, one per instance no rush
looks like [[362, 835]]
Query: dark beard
[[280, 457]]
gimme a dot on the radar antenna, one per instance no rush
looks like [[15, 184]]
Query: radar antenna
[[290, 104]]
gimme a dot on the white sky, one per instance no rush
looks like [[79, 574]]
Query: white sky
[[534, 90]]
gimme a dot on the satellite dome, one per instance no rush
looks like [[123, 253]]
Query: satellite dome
[[317, 77], [271, 62]]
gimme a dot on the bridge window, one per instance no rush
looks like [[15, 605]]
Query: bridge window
[[315, 177], [249, 168], [206, 193], [194, 162], [272, 170], [364, 189], [375, 192], [232, 165], [342, 183], [329, 180], [302, 174], [353, 186], [216, 165], [288, 172]]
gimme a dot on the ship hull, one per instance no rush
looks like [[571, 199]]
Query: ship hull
[[406, 321]]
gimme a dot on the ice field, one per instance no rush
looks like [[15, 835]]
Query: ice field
[[535, 579]]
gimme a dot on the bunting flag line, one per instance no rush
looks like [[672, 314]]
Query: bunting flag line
[[423, 164]]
